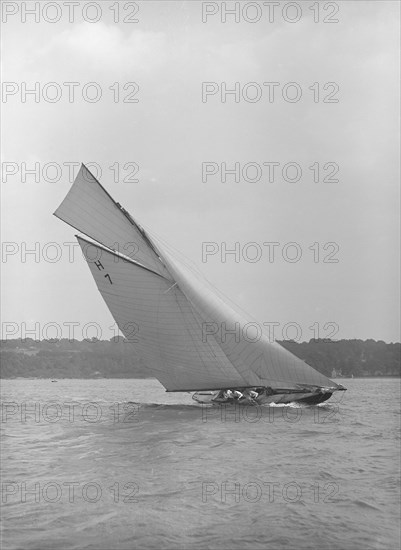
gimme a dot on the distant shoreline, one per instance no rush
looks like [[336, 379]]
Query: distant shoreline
[[94, 359]]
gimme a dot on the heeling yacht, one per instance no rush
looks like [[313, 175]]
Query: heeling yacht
[[176, 315]]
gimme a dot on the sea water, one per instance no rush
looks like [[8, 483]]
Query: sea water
[[121, 464]]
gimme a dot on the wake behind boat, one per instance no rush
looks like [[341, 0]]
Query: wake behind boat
[[186, 333]]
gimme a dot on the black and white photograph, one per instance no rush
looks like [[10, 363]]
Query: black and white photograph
[[200, 275]]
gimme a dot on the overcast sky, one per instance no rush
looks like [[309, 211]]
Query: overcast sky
[[170, 132]]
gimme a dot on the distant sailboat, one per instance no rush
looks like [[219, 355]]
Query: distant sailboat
[[176, 317]]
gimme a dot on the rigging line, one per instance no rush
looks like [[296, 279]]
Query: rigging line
[[190, 264], [196, 271], [172, 286], [177, 252]]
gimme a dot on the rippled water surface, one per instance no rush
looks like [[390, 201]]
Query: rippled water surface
[[113, 464]]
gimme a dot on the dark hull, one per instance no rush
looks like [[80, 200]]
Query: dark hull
[[315, 399], [306, 398]]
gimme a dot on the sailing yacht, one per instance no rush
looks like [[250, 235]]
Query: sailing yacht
[[176, 316]]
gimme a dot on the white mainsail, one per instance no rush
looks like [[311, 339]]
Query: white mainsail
[[179, 326], [158, 319]]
